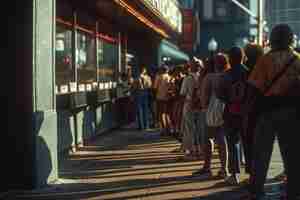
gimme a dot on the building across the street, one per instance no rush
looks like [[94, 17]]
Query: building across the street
[[222, 21], [190, 39], [287, 12]]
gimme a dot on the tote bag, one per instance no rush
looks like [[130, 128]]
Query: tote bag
[[215, 111]]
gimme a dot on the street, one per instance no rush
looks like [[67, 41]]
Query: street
[[128, 164]]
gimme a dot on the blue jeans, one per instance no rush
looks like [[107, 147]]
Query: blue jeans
[[233, 127], [142, 103], [234, 150]]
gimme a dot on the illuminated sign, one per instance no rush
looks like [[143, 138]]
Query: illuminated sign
[[140, 17], [169, 10]]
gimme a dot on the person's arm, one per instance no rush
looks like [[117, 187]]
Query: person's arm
[[259, 76], [156, 82], [150, 82], [183, 90]]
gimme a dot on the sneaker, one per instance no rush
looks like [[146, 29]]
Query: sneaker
[[203, 172], [232, 180]]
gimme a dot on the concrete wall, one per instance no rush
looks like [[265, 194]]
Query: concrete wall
[[33, 129], [77, 127]]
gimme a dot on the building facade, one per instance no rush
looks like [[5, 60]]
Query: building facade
[[278, 12], [190, 39], [70, 55], [223, 21]]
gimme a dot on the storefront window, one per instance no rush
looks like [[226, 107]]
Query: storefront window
[[64, 72], [107, 60], [86, 58]]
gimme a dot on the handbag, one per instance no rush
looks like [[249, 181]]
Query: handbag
[[215, 112]]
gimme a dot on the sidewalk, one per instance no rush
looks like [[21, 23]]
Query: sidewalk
[[127, 164]]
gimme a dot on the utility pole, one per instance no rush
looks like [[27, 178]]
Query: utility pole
[[260, 22], [258, 16]]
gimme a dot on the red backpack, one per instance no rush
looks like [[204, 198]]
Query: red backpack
[[237, 95]]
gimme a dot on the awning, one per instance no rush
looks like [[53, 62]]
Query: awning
[[172, 52]]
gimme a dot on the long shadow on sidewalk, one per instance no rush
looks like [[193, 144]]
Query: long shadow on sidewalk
[[132, 165]]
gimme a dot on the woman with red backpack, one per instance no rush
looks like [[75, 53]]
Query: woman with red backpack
[[233, 118]]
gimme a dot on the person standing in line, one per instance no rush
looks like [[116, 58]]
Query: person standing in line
[[146, 83], [210, 85], [279, 111], [232, 117], [253, 53], [187, 89], [176, 107], [141, 87], [131, 103], [162, 85], [196, 111]]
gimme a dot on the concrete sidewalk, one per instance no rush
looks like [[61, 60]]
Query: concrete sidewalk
[[128, 164]]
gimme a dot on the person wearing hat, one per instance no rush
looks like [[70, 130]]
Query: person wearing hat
[[279, 111]]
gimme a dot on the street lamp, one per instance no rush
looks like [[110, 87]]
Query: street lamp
[[212, 47], [166, 59]]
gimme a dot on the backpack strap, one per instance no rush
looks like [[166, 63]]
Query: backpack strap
[[279, 74]]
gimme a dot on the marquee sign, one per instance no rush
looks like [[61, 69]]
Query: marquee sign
[[169, 10]]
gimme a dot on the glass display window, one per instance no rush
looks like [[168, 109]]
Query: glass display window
[[63, 61], [108, 60], [85, 58]]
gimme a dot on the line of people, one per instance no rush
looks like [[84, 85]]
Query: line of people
[[239, 99]]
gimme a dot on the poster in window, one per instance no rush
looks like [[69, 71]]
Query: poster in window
[[60, 46], [106, 85], [73, 86], [88, 87], [81, 87], [64, 89], [101, 86], [95, 85]]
